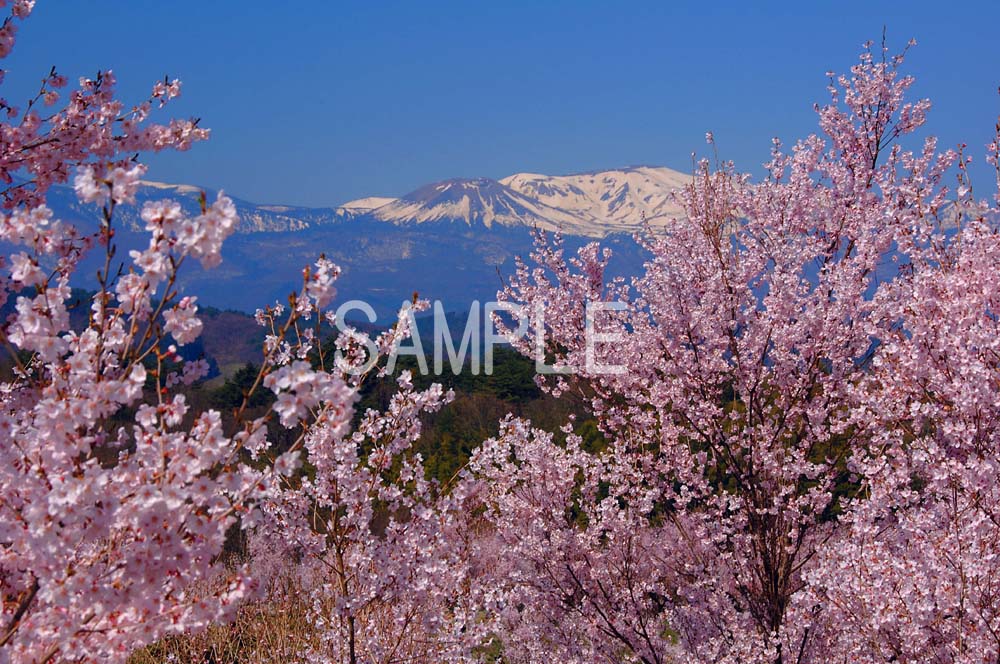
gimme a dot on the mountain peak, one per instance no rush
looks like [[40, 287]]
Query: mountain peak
[[470, 200]]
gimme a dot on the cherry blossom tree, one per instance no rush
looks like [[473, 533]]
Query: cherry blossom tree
[[115, 498], [801, 463], [385, 549]]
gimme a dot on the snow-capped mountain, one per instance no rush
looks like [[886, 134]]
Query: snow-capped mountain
[[589, 204]]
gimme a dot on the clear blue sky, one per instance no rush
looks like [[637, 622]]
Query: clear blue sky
[[316, 103]]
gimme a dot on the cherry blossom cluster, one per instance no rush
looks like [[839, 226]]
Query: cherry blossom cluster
[[110, 530]]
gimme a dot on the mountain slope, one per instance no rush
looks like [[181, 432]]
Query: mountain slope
[[607, 201], [476, 201]]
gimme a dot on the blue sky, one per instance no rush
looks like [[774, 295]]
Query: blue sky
[[316, 103]]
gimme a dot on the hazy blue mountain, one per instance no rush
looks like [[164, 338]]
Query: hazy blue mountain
[[453, 241]]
